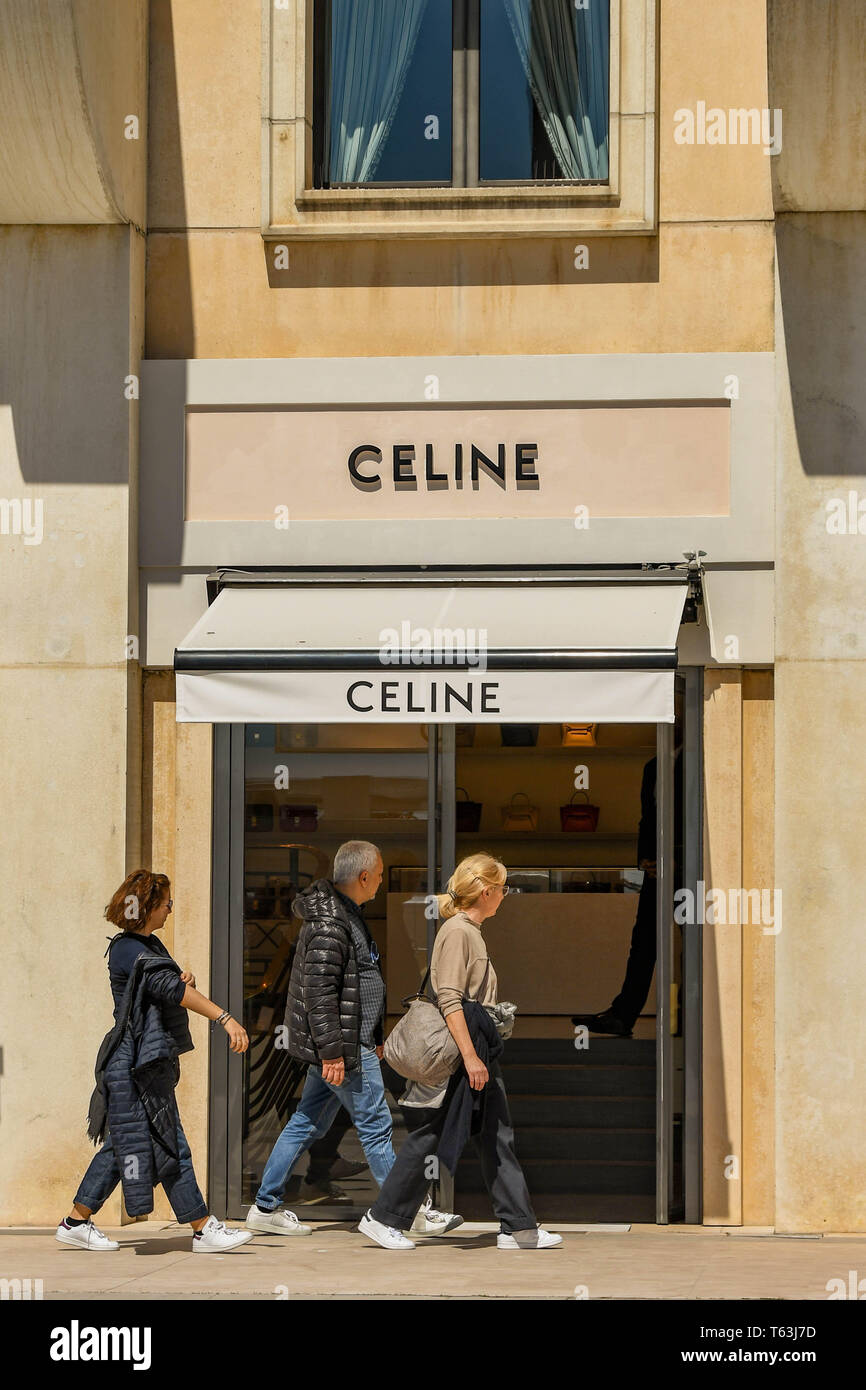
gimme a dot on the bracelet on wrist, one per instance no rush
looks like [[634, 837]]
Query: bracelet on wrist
[[223, 1016]]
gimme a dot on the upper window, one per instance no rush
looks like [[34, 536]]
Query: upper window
[[460, 93]]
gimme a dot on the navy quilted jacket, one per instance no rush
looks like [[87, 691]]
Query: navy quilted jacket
[[136, 1073]]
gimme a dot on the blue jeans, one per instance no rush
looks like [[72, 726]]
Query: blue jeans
[[363, 1095], [182, 1191]]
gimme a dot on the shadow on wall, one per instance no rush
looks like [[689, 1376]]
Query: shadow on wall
[[394, 262], [822, 277]]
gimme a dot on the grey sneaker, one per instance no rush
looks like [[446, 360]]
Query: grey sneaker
[[431, 1222], [280, 1222]]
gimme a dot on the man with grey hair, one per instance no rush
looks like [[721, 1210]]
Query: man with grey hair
[[334, 1016]]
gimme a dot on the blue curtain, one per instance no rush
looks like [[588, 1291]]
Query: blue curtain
[[565, 54], [372, 43]]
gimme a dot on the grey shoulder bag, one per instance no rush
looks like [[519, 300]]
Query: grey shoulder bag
[[420, 1047]]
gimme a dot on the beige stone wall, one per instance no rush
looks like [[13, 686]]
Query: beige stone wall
[[704, 284], [72, 304], [816, 64], [71, 333]]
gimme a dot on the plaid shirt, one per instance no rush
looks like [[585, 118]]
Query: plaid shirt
[[371, 984]]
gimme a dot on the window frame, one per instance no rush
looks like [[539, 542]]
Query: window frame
[[292, 208], [465, 114]]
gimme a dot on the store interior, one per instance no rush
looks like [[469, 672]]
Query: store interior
[[560, 805]]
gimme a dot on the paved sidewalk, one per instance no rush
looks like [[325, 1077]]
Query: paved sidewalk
[[685, 1262]]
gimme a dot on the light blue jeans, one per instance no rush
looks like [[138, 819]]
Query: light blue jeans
[[363, 1095]]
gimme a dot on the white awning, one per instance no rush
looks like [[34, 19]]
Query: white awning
[[739, 609], [440, 653]]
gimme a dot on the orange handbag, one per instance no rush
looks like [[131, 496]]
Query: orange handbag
[[579, 735], [518, 815]]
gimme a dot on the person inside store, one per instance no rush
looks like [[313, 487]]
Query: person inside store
[[133, 1107], [334, 1018], [473, 1103], [619, 1018]]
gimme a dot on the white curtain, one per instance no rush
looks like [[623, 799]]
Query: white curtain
[[565, 55], [372, 43]]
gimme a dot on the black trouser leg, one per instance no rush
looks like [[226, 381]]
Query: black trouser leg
[[502, 1173], [641, 958], [406, 1185]]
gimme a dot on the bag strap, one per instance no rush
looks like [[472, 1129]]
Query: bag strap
[[483, 981], [421, 992]]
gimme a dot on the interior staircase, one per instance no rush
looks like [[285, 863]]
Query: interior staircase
[[584, 1124]]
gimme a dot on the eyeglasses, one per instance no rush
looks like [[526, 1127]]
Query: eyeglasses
[[170, 904], [506, 888]]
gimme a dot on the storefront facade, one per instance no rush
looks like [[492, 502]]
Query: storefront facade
[[288, 416], [366, 635]]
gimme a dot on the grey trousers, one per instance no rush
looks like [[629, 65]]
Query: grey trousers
[[403, 1190]]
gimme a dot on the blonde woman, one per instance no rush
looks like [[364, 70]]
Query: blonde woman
[[463, 979]]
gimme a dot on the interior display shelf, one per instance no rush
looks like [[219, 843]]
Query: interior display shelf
[[557, 751], [573, 836]]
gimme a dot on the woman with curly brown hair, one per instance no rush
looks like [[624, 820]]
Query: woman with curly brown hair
[[137, 1070]]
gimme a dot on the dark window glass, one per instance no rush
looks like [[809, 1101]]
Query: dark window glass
[[386, 104], [544, 90]]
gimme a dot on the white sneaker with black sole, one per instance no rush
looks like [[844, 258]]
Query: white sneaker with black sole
[[280, 1222], [386, 1236], [431, 1222], [86, 1236], [528, 1240], [215, 1238]]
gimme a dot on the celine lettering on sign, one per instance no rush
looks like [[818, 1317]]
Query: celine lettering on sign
[[462, 466], [424, 697]]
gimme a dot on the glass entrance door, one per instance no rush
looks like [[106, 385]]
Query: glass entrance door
[[599, 1117]]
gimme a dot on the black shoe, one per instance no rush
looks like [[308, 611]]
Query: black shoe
[[343, 1168], [605, 1022]]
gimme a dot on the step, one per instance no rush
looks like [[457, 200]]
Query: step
[[609, 1145], [623, 1051], [594, 1112], [569, 1176], [560, 1078], [579, 1208]]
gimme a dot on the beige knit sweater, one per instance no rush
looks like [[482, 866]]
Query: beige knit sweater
[[457, 968], [458, 964]]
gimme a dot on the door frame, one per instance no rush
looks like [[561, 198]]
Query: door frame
[[225, 1127]]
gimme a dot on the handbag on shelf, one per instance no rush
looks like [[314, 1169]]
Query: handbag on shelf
[[519, 735], [518, 815], [579, 735], [583, 816], [259, 815], [299, 817], [260, 902], [420, 1046], [468, 813]]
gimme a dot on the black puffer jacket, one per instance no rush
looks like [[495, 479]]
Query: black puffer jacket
[[323, 1009]]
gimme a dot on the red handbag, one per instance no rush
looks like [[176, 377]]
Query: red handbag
[[583, 816]]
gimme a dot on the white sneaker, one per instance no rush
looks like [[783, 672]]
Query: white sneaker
[[215, 1238], [430, 1222], [537, 1239], [86, 1236], [386, 1236], [280, 1222]]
